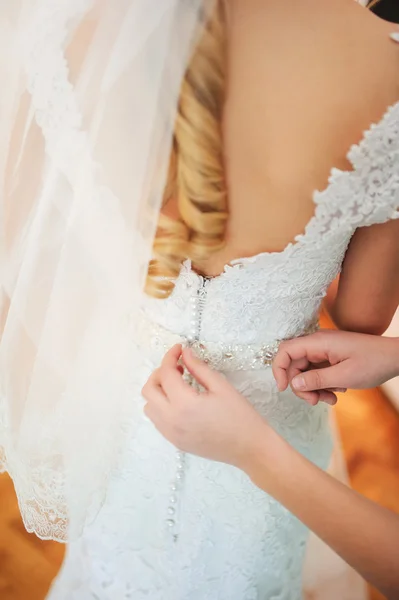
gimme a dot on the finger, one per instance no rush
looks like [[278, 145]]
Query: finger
[[153, 381], [315, 347], [280, 366], [170, 375], [153, 393], [173, 383], [311, 398], [295, 369], [204, 375], [172, 357], [328, 397], [321, 379], [283, 365], [157, 405], [306, 349]]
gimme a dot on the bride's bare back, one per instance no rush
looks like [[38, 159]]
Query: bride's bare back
[[305, 80]]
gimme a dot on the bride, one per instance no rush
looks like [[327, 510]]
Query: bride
[[271, 97]]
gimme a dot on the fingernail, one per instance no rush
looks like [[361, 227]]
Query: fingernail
[[298, 383], [331, 401], [395, 36]]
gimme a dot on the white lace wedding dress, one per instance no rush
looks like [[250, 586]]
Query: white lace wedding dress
[[178, 527]]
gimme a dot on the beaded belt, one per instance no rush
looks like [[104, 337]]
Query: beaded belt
[[219, 356]]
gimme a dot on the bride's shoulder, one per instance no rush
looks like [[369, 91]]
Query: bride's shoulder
[[326, 30], [325, 48]]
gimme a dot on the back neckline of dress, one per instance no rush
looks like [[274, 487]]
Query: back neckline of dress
[[318, 196]]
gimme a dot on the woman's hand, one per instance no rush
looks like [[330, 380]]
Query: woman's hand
[[318, 364], [218, 424]]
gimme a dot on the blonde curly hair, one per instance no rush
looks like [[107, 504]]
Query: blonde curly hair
[[196, 176]]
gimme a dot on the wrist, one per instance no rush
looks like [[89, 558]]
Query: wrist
[[266, 457]]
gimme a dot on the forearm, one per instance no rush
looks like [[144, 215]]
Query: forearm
[[362, 533]]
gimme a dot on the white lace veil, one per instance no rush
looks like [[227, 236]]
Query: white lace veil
[[87, 107]]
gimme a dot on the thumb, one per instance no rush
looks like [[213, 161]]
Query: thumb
[[209, 379], [321, 379]]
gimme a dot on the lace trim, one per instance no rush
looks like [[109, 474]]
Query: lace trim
[[40, 492], [369, 193]]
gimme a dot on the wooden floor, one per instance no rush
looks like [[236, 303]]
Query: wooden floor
[[370, 432], [27, 565]]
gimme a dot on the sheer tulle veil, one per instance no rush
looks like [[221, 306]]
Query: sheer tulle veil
[[87, 108]]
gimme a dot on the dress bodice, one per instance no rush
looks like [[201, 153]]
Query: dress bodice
[[274, 296]]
